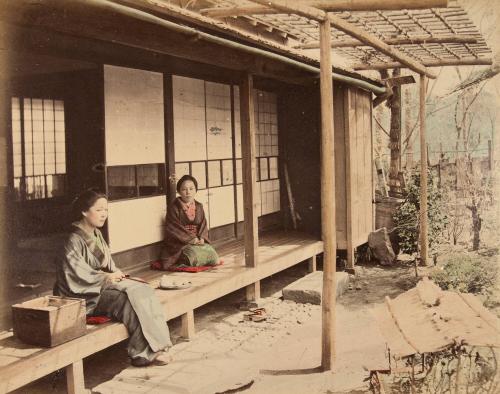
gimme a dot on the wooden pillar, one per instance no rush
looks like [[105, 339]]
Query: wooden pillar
[[424, 242], [311, 264], [249, 180], [74, 378], [395, 138], [328, 225], [8, 229], [187, 325], [172, 177]]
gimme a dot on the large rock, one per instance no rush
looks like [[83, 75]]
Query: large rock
[[381, 247], [309, 288]]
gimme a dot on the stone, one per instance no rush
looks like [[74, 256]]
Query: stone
[[381, 247], [308, 289]]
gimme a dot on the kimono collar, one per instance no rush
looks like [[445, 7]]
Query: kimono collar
[[189, 209], [101, 255]]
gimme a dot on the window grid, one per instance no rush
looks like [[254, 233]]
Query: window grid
[[209, 173], [135, 181], [267, 152], [38, 147]]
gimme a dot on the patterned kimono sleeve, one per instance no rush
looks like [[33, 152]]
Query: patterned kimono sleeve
[[78, 274], [202, 222]]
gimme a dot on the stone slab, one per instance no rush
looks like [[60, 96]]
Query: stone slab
[[309, 288]]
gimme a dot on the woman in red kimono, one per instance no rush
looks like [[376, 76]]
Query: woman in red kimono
[[186, 235]]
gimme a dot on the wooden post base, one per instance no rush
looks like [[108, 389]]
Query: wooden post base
[[350, 260], [312, 264], [187, 326], [253, 292], [75, 382]]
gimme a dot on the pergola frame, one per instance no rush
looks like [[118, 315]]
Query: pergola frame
[[331, 5], [359, 37]]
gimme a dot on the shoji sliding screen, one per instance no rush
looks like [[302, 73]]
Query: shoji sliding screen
[[135, 156], [207, 139]]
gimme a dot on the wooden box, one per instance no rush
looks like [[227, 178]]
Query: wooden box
[[49, 321]]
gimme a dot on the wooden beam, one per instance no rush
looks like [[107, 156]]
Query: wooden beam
[[107, 22], [424, 242], [328, 222], [398, 81], [447, 39], [332, 5], [352, 30], [249, 171], [429, 63]]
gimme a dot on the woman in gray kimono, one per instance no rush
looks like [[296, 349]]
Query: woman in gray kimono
[[86, 270]]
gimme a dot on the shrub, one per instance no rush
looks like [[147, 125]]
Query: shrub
[[467, 274], [406, 217]]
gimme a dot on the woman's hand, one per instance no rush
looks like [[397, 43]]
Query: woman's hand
[[194, 241], [116, 276], [201, 241]]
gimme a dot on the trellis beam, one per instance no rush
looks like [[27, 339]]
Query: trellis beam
[[429, 63], [332, 5], [348, 28], [448, 39]]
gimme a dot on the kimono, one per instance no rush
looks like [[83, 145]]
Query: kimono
[[180, 231], [81, 272]]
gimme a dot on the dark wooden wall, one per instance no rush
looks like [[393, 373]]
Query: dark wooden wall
[[81, 92], [299, 122]]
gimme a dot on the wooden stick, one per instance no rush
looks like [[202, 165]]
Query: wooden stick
[[249, 171], [332, 5], [352, 30], [328, 225], [449, 39], [423, 177], [291, 201], [429, 63]]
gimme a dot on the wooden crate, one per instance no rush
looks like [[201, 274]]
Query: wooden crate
[[49, 321]]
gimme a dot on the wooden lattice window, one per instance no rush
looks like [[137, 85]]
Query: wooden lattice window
[[38, 148]]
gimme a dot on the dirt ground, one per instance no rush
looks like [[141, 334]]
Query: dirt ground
[[279, 355]]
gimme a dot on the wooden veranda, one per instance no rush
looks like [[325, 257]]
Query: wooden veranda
[[375, 34]]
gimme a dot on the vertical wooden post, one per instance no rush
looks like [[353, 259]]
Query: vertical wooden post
[[423, 176], [74, 378], [249, 180], [187, 325], [350, 140], [169, 140], [328, 225], [311, 264]]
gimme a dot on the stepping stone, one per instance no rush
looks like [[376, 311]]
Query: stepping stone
[[309, 288]]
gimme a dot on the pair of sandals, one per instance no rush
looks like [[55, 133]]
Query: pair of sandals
[[161, 358], [255, 315]]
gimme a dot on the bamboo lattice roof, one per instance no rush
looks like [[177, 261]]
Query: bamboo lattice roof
[[413, 27]]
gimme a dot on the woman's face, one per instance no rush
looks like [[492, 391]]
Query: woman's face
[[97, 214], [187, 191]]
